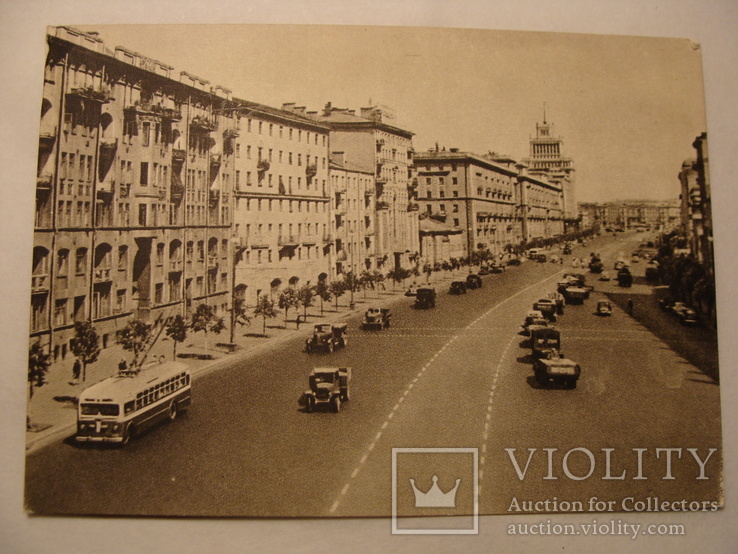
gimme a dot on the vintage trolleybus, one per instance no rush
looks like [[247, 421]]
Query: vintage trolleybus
[[116, 409]]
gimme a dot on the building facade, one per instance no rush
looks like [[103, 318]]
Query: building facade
[[134, 191], [282, 201], [696, 205], [547, 160], [353, 221], [632, 214], [491, 199], [386, 151]]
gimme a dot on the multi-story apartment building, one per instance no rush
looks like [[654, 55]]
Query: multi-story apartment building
[[133, 194], [491, 199], [282, 212], [547, 161], [696, 204], [386, 151], [354, 216], [629, 214]]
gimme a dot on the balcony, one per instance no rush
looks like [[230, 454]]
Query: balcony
[[289, 241], [216, 159], [413, 207], [39, 283], [102, 275], [212, 261], [43, 181], [382, 205], [213, 198], [178, 156], [175, 266], [263, 166], [309, 240], [310, 172], [258, 241], [203, 124], [99, 93]]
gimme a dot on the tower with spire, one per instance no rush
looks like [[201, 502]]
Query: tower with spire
[[546, 159]]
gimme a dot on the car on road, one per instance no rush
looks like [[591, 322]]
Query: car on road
[[685, 314], [547, 307], [604, 307], [625, 278], [376, 319], [545, 342], [329, 386], [327, 337], [652, 271], [497, 268], [513, 261], [457, 287], [556, 370], [483, 270], [473, 281], [560, 301], [412, 290], [575, 294], [425, 298], [533, 319]]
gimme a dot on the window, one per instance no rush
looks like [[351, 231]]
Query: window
[[456, 222], [80, 265], [60, 312], [455, 180], [142, 215], [122, 258], [160, 253], [146, 133], [158, 293], [144, 173], [62, 263], [456, 194]]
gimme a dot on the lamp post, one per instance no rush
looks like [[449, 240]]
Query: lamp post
[[237, 254]]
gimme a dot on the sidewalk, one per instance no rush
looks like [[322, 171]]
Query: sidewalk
[[53, 409]]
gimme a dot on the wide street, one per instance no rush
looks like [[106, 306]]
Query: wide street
[[453, 376]]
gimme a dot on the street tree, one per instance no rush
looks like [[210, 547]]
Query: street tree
[[266, 309], [85, 345], [305, 297], [133, 337], [205, 319], [337, 288], [427, 269], [176, 330], [38, 364], [366, 281], [323, 292], [288, 299]]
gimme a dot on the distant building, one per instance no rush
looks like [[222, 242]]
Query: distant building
[[630, 214], [696, 205], [353, 220], [547, 159], [491, 199], [371, 144], [440, 242], [282, 200]]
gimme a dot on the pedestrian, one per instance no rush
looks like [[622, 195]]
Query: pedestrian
[[76, 370], [122, 365], [629, 307]]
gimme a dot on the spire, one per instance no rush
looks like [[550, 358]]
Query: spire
[[544, 113]]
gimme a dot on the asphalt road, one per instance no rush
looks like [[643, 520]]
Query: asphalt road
[[453, 376]]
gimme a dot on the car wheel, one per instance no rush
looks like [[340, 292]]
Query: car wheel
[[336, 404], [173, 410], [310, 404], [128, 434]]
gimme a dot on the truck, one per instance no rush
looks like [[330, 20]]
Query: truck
[[327, 337], [376, 319], [556, 370], [545, 342], [329, 386]]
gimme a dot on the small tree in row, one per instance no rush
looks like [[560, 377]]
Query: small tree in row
[[85, 345], [322, 291], [38, 364], [176, 330], [305, 299], [265, 308], [133, 337], [288, 299], [205, 319], [337, 288]]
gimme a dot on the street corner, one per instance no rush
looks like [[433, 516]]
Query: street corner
[[435, 491]]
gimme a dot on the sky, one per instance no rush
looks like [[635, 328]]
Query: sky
[[627, 108]]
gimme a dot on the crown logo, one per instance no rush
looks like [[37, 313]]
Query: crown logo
[[435, 498]]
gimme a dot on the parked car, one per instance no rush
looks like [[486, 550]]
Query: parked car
[[575, 294], [412, 290], [685, 314], [425, 298], [652, 271], [458, 287], [327, 337], [541, 258], [483, 270], [498, 268], [329, 386], [604, 307], [557, 370], [560, 301], [377, 319], [596, 266], [513, 261], [533, 320], [473, 281]]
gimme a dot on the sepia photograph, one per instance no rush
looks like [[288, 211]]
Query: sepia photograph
[[414, 273]]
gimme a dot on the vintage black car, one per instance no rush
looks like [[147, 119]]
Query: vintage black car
[[329, 386], [557, 370], [376, 319], [457, 287], [625, 278], [327, 337], [425, 298], [496, 268], [483, 270], [604, 307], [533, 320], [473, 281], [547, 307], [652, 271]]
